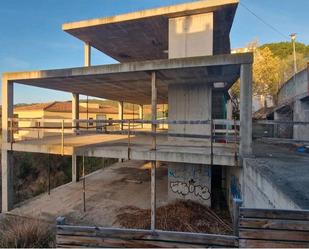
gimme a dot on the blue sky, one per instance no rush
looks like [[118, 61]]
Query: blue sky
[[31, 37]]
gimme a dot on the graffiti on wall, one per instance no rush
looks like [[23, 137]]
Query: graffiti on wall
[[190, 181], [185, 188], [235, 187]]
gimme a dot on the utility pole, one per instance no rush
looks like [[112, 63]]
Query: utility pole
[[293, 38]]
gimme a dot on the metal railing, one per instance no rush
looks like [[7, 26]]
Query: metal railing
[[216, 131], [281, 131]]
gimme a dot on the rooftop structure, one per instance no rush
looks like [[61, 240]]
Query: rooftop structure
[[179, 56]]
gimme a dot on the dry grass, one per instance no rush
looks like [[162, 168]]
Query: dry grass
[[182, 216], [17, 232]]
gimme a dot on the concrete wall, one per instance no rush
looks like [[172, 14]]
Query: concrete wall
[[284, 130], [255, 188], [191, 36], [260, 192], [190, 182], [301, 114], [189, 102]]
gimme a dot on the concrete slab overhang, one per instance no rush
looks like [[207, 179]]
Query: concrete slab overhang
[[131, 82], [143, 35]]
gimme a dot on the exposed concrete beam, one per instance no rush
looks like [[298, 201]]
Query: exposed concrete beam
[[179, 63], [7, 157], [245, 148], [129, 82]]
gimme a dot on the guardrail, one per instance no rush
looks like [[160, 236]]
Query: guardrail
[[87, 236], [219, 130], [280, 131]]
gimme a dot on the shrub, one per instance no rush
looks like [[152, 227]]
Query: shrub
[[17, 232]]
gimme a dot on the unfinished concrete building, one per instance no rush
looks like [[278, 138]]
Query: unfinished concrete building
[[177, 55]]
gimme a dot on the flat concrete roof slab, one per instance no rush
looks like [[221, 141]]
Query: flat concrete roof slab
[[143, 35], [116, 146], [131, 82]]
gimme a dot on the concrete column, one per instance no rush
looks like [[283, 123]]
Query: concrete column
[[141, 113], [7, 157], [75, 112], [120, 113], [153, 163], [75, 169], [7, 108], [245, 148], [301, 114], [229, 110], [87, 54]]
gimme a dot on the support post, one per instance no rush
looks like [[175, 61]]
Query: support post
[[84, 185], [75, 113], [87, 63], [75, 169], [141, 114], [120, 113], [245, 148], [87, 54], [154, 147], [7, 156]]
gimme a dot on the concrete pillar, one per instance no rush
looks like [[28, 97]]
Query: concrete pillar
[[120, 113], [229, 110], [75, 112], [87, 54], [141, 114], [245, 148], [75, 169], [301, 114], [7, 157], [153, 163]]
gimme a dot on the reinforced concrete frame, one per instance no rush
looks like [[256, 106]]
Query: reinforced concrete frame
[[245, 62]]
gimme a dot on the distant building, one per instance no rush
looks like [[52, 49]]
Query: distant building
[[60, 110]]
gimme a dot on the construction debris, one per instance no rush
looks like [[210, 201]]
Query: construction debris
[[182, 216]]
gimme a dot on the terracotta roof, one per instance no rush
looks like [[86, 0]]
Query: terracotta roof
[[33, 107], [66, 107]]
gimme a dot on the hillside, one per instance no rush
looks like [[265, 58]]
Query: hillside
[[284, 49]]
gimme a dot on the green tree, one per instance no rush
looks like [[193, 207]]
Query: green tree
[[266, 76], [266, 72], [284, 49]]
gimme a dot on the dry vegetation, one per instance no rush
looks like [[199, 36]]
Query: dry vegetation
[[182, 216], [17, 232]]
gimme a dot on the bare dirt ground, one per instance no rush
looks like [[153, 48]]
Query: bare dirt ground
[[107, 190]]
